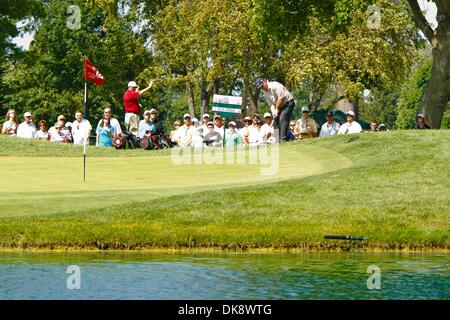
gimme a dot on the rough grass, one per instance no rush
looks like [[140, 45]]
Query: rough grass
[[396, 193]]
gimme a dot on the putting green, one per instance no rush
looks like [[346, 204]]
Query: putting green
[[41, 185]]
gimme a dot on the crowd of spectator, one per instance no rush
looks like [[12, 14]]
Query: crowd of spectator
[[251, 131]]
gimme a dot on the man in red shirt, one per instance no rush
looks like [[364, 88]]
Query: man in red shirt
[[132, 107]]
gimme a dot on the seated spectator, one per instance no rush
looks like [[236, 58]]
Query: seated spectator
[[107, 114], [196, 123], [382, 127], [42, 133], [420, 122], [267, 129], [26, 129], [244, 132], [10, 125], [232, 136], [212, 138], [290, 134], [351, 126], [305, 127], [219, 125], [173, 134], [81, 129], [374, 126], [159, 129], [185, 132], [329, 128], [58, 134], [145, 126], [197, 139], [105, 133], [255, 136], [205, 121]]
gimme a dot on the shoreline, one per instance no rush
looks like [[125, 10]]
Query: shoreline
[[221, 250]]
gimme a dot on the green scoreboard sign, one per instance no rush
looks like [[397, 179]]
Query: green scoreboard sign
[[227, 106]]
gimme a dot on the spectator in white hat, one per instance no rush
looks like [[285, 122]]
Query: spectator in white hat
[[185, 132], [81, 129], [197, 139], [26, 129], [205, 121], [305, 127], [58, 134], [132, 107], [420, 122], [159, 129], [146, 127], [267, 129], [254, 131], [232, 136], [351, 126]]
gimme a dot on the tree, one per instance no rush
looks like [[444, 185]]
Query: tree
[[436, 93]]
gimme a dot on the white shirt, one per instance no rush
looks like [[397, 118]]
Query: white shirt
[[25, 130], [254, 135], [266, 129], [80, 131], [348, 128], [277, 91], [114, 123], [329, 129], [184, 135], [41, 135]]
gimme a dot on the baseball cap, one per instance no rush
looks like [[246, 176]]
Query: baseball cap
[[259, 82], [305, 109], [216, 116], [350, 113], [27, 114], [247, 119], [195, 120], [205, 115], [186, 115], [68, 124], [267, 115], [60, 117], [330, 114], [147, 111], [255, 115], [420, 115], [153, 110], [232, 123], [210, 124], [132, 84]]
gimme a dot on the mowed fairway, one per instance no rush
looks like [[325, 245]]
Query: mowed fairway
[[43, 185]]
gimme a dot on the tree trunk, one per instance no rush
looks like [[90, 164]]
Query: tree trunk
[[436, 93], [190, 93], [206, 91]]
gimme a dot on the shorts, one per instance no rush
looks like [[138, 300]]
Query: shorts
[[132, 122]]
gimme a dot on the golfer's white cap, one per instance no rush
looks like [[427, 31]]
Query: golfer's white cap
[[132, 84], [350, 113], [205, 116], [267, 115], [27, 114], [232, 123], [186, 115]]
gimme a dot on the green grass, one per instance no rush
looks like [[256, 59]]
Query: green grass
[[391, 187]]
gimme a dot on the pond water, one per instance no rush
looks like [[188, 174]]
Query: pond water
[[138, 275]]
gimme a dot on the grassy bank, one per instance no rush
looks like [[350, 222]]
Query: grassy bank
[[391, 187]]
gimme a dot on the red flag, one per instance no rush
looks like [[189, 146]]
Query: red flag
[[92, 74]]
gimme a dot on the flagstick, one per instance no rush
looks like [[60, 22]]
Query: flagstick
[[84, 151]]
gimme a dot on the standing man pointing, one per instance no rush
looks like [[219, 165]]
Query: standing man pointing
[[281, 104], [132, 107]]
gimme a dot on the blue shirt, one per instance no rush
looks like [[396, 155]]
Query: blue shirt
[[145, 126], [104, 139]]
